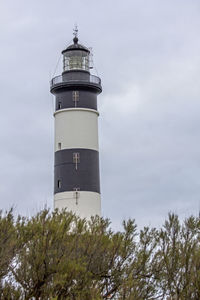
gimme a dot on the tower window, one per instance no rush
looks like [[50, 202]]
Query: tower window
[[76, 194], [76, 159], [75, 97], [59, 146], [59, 105], [59, 184]]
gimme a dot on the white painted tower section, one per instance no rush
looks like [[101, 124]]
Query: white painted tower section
[[76, 128], [85, 204]]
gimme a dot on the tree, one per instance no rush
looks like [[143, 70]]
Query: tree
[[178, 258], [140, 275], [56, 255], [97, 263], [7, 243], [43, 241]]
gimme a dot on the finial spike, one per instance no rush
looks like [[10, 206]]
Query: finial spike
[[75, 31]]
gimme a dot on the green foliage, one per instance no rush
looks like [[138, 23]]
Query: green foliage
[[7, 243], [55, 255]]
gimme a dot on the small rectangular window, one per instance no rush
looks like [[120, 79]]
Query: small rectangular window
[[59, 105], [59, 184], [76, 194], [76, 159], [75, 96], [59, 146]]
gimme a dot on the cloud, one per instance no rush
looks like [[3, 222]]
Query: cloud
[[147, 54]]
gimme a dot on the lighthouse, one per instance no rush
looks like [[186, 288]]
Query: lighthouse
[[76, 162]]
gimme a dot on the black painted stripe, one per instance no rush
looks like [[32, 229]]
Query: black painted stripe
[[86, 99], [85, 177]]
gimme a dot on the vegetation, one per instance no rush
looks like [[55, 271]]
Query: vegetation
[[59, 256]]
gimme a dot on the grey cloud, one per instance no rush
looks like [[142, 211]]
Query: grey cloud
[[147, 54]]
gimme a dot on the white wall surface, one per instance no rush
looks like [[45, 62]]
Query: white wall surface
[[76, 128], [86, 205]]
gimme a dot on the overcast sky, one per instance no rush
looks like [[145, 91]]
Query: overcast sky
[[147, 53]]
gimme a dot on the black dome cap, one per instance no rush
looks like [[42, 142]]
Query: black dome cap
[[76, 46]]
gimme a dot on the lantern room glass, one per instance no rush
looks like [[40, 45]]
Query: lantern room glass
[[76, 60]]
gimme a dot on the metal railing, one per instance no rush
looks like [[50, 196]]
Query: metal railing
[[61, 79]]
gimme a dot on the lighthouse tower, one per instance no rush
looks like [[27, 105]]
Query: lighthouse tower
[[76, 173]]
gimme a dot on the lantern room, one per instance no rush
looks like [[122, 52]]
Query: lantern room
[[76, 57]]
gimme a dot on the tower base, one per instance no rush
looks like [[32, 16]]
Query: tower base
[[83, 204]]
